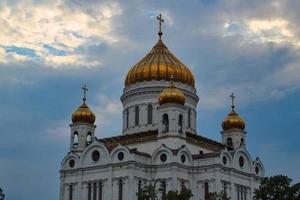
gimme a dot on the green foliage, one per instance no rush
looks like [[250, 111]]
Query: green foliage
[[277, 187], [184, 194], [218, 196], [147, 193]]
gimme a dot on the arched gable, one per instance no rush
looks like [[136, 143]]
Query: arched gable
[[86, 158], [158, 158]]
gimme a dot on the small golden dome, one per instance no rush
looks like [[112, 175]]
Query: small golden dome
[[159, 64], [171, 95], [84, 115], [233, 120]]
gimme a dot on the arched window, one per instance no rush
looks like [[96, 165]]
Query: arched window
[[75, 139], [189, 118], [71, 192], [229, 143], [150, 114], [165, 123], [89, 138], [163, 189], [180, 124], [120, 189], [127, 118], [90, 191], [206, 191], [100, 190], [95, 191], [137, 115]]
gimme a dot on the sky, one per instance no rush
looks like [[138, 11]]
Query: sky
[[49, 49]]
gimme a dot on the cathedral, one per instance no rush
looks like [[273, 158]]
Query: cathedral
[[159, 144]]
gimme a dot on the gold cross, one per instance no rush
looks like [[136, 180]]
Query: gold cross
[[232, 101], [85, 89], [161, 20]]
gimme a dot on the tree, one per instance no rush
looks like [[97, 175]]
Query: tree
[[277, 187], [147, 193], [184, 194], [218, 196]]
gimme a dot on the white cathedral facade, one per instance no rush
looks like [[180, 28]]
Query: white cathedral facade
[[159, 143]]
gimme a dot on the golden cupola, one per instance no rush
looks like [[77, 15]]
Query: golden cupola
[[233, 121], [171, 94], [158, 65], [83, 114]]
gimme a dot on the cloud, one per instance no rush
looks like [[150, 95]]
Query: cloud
[[61, 26], [278, 31]]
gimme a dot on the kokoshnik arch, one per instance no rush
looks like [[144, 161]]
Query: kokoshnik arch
[[159, 142]]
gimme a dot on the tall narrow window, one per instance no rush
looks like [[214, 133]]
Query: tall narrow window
[[71, 192], [163, 187], [245, 193], [229, 143], [90, 191], [182, 184], [150, 114], [100, 190], [180, 124], [206, 191], [137, 115], [127, 118], [165, 123], [75, 139], [95, 191], [189, 118], [139, 186], [89, 138], [120, 189]]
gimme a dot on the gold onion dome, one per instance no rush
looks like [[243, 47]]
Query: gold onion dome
[[233, 120], [171, 94], [83, 114], [159, 64]]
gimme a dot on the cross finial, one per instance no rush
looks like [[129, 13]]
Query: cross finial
[[85, 89], [161, 20], [232, 100]]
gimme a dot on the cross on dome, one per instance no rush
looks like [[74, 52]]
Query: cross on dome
[[161, 20], [232, 101], [84, 89]]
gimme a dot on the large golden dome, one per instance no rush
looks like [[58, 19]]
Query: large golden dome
[[171, 95], [159, 64], [83, 115], [233, 120]]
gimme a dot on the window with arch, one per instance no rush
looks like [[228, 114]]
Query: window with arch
[[189, 118], [150, 114], [165, 123], [180, 123], [71, 192], [163, 189], [229, 143], [89, 138], [137, 115], [206, 191], [75, 139], [120, 189]]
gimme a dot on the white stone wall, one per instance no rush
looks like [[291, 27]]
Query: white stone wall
[[193, 172]]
